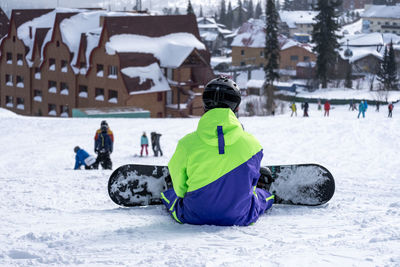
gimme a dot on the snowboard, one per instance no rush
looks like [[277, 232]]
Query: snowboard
[[300, 184]]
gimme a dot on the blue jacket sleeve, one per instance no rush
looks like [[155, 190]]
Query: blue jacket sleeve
[[77, 162]]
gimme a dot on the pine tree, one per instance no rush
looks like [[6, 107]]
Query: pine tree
[[258, 11], [229, 16], [189, 9], [287, 5], [250, 10], [201, 12], [278, 5], [325, 38], [271, 52], [240, 18], [387, 71], [177, 11], [222, 13], [392, 68]]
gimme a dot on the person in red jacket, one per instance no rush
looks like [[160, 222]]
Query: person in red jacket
[[390, 108], [327, 107]]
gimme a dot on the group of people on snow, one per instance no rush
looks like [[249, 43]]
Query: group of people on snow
[[103, 147], [155, 144], [362, 108]]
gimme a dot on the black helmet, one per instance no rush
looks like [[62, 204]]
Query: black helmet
[[76, 149], [221, 92], [103, 123]]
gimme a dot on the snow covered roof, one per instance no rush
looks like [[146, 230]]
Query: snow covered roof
[[368, 39], [250, 34], [382, 11], [360, 52], [171, 49], [209, 36], [292, 18], [151, 74]]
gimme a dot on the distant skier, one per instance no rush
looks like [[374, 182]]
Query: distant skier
[[305, 109], [319, 104], [327, 107], [155, 143], [109, 132], [144, 143], [83, 158], [293, 107], [377, 106], [361, 109], [103, 146], [215, 169], [390, 109]]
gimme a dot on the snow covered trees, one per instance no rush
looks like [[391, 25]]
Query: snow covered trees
[[387, 71], [325, 38]]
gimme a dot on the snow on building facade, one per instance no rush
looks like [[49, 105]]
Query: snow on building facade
[[249, 44], [56, 60], [382, 19]]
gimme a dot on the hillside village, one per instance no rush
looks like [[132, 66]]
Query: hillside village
[[93, 62]]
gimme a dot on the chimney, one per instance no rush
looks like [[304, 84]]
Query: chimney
[[30, 32]]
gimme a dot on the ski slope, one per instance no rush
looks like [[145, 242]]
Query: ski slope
[[53, 215]]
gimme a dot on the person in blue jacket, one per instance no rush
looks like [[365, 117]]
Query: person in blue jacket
[[361, 109], [215, 170], [103, 146], [83, 158]]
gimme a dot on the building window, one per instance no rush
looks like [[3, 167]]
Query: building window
[[100, 70], [52, 64], [159, 96], [20, 82], [261, 53], [52, 85], [242, 52], [64, 111], [294, 58], [20, 103], [64, 90], [99, 94], [261, 65], [9, 80], [64, 67], [82, 65], [242, 63], [20, 61], [306, 58], [113, 96], [83, 92], [14, 38], [9, 58], [58, 43], [37, 95], [112, 72], [379, 23], [52, 110], [9, 101], [38, 76]]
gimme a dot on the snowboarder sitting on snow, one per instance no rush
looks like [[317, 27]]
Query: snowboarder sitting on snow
[[215, 169], [103, 146], [83, 158], [155, 143]]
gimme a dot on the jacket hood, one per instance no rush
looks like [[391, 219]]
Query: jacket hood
[[207, 127]]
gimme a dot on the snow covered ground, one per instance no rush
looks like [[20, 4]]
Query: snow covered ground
[[53, 215]]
